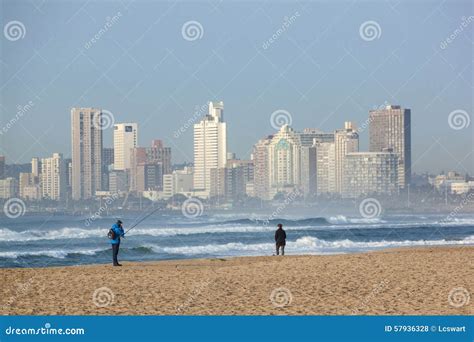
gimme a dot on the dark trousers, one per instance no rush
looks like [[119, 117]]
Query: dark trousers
[[115, 250], [282, 246]]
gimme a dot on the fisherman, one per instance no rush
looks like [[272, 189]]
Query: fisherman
[[115, 233], [280, 239]]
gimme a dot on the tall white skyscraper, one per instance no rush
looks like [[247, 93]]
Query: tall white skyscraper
[[53, 177], [125, 138], [210, 147], [86, 136]]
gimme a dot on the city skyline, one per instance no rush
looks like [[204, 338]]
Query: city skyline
[[103, 124], [308, 163], [322, 76]]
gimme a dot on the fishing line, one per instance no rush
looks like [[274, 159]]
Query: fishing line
[[141, 220]]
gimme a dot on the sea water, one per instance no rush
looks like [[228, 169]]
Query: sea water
[[45, 240]]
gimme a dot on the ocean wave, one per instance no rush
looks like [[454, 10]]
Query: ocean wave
[[273, 222], [59, 234], [303, 245], [8, 235], [341, 219], [306, 244], [58, 254], [456, 222]]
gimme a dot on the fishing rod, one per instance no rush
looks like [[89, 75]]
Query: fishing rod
[[141, 220]]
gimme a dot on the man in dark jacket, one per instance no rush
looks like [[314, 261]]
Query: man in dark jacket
[[115, 242], [280, 239]]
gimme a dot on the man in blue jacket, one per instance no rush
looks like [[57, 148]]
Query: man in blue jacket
[[119, 232]]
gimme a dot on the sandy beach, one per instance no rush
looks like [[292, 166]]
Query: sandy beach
[[412, 281]]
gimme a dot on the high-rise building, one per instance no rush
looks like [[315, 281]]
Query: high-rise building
[[53, 177], [217, 183], [308, 170], [308, 136], [107, 166], [35, 167], [228, 182], [107, 156], [137, 158], [69, 175], [159, 154], [369, 173], [325, 167], [284, 161], [150, 176], [210, 147], [25, 181], [86, 132], [125, 138], [261, 186], [118, 181], [8, 188], [346, 141], [391, 128], [148, 166]]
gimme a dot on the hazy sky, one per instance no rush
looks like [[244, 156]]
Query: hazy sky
[[322, 67]]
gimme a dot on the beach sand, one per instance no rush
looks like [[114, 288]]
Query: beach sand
[[412, 281]]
